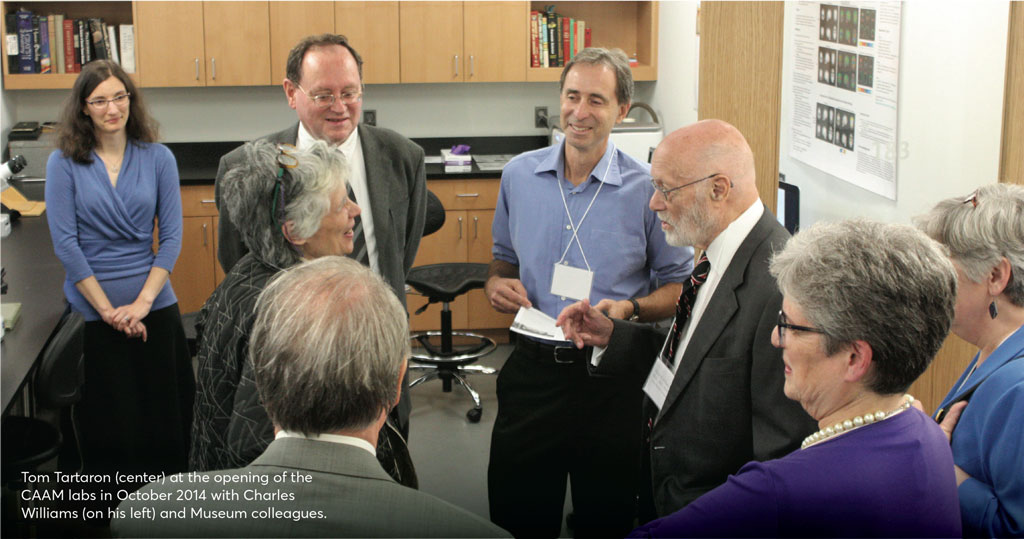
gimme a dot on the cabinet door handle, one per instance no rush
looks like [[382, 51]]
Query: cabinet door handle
[[460, 228], [197, 68], [467, 195], [472, 65], [476, 227], [213, 62], [456, 65], [207, 201], [204, 234]]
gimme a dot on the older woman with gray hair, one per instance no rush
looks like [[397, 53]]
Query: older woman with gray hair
[[289, 205], [865, 308], [982, 413]]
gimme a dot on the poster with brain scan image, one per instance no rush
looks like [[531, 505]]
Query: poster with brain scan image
[[845, 90]]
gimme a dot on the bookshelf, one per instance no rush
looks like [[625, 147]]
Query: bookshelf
[[630, 26], [110, 12]]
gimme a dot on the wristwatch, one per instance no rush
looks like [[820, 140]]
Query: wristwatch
[[636, 311]]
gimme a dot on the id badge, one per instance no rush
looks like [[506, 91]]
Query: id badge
[[658, 382], [571, 282]]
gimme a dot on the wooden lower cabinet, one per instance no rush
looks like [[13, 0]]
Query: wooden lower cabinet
[[197, 271], [465, 237]]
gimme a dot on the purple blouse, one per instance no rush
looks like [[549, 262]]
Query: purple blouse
[[893, 478]]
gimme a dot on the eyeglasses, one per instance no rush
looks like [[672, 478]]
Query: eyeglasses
[[782, 324], [285, 159], [973, 199], [666, 192], [101, 103], [325, 101]]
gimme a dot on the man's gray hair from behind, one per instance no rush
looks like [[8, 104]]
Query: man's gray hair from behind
[[327, 346]]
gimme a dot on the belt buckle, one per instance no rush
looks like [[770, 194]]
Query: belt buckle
[[568, 349]]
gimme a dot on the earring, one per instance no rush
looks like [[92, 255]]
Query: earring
[[992, 310]]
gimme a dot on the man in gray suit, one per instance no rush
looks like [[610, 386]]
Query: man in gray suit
[[329, 348], [324, 84], [714, 386]]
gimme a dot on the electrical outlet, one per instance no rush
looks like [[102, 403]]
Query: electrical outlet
[[540, 117], [370, 117]]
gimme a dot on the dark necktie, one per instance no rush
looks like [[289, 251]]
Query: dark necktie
[[685, 305], [359, 252]]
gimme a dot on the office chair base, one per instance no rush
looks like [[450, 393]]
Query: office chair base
[[457, 354], [452, 368]]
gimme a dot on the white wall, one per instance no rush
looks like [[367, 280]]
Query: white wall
[[674, 95], [952, 70]]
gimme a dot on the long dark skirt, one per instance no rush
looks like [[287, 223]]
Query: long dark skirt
[[135, 415]]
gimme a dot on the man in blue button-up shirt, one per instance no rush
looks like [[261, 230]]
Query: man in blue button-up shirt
[[553, 418]]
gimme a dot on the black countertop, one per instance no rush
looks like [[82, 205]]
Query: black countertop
[[198, 161]]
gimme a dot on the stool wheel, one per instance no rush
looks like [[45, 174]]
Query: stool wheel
[[474, 415]]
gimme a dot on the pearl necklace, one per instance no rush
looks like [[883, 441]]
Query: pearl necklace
[[853, 424]]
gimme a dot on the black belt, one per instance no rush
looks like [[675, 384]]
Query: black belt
[[558, 354]]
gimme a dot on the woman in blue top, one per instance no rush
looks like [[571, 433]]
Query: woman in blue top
[[104, 186], [982, 414]]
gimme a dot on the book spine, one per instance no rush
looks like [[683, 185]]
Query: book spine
[[86, 42], [76, 25], [45, 62], [572, 38], [68, 30], [579, 36], [534, 54], [35, 44], [563, 41], [11, 41], [25, 63], [552, 40], [57, 42], [128, 47], [112, 43], [586, 39], [96, 35], [543, 30]]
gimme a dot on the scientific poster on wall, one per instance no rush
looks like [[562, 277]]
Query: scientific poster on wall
[[845, 89]]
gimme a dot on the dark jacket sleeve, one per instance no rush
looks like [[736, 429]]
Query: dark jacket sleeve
[[229, 242], [417, 207], [630, 352]]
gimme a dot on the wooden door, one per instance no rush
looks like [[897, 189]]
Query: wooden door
[[372, 29], [495, 38], [447, 244], [478, 230], [237, 43], [193, 275], [290, 22], [431, 42], [169, 44]]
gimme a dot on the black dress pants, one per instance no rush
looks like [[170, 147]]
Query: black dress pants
[[555, 420]]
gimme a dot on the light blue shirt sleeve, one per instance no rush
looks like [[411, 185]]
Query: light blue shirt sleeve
[[62, 218], [500, 232], [169, 217]]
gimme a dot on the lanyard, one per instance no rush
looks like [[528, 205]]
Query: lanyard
[[576, 226]]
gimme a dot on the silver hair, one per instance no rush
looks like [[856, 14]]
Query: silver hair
[[249, 193], [327, 346], [978, 237], [615, 59], [886, 284]]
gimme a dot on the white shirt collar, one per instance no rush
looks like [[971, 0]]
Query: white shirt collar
[[723, 247], [304, 139], [333, 438]]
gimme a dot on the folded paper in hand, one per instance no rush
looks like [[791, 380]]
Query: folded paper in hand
[[534, 323]]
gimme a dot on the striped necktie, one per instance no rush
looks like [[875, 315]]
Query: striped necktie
[[685, 305], [359, 252]]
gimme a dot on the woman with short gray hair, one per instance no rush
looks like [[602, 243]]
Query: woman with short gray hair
[[865, 307], [984, 234], [289, 205]]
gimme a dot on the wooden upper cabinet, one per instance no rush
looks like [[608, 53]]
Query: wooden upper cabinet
[[169, 44], [431, 42], [237, 43], [372, 29], [290, 22], [495, 38]]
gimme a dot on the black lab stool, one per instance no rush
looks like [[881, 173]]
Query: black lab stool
[[441, 358]]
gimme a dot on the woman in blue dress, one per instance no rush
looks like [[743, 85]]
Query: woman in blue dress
[[105, 185], [982, 414]]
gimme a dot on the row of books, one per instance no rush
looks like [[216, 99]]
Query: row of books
[[555, 39], [58, 44]]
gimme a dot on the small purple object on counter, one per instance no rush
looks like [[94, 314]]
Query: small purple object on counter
[[460, 149]]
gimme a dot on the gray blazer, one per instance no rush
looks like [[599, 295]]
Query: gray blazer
[[397, 181], [343, 493], [725, 406]]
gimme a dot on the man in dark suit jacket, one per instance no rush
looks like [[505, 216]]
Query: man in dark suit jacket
[[324, 86], [327, 381], [714, 386]]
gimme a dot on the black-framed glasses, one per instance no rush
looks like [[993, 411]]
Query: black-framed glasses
[[666, 192], [101, 103], [285, 160], [325, 101], [782, 324], [972, 200]]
